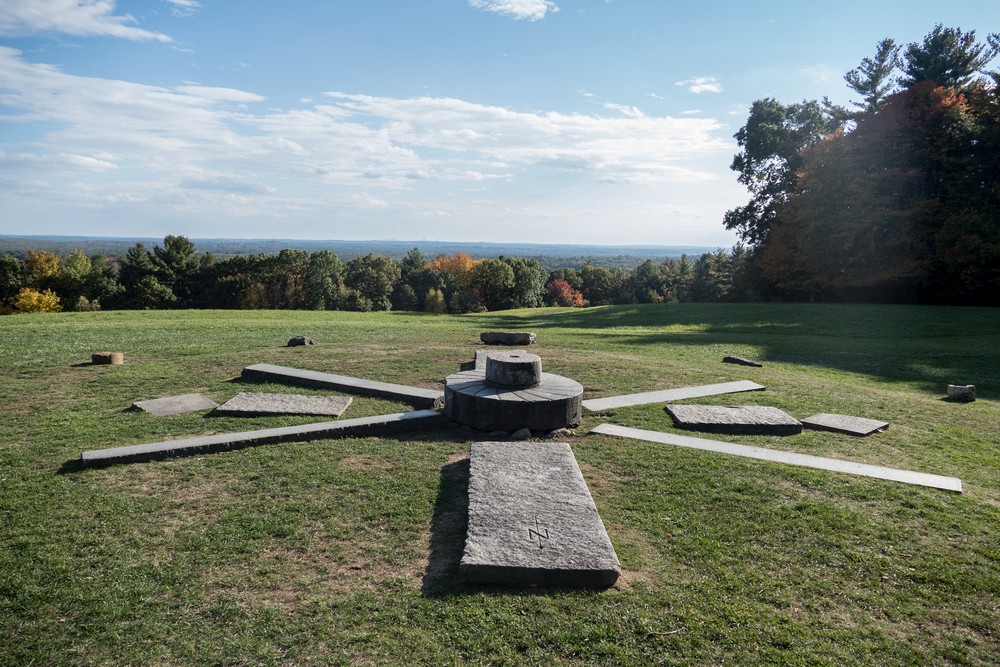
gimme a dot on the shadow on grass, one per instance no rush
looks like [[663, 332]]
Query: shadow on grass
[[930, 346], [448, 529]]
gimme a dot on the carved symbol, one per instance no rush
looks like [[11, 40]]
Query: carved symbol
[[538, 533]]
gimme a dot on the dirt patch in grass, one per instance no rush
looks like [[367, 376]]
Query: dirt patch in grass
[[288, 579], [365, 462]]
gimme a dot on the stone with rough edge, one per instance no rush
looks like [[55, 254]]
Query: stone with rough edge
[[736, 419], [382, 425], [666, 395], [789, 458], [175, 405], [115, 358], [741, 362], [844, 424], [508, 338], [471, 400], [416, 396], [513, 369], [532, 520], [962, 393], [260, 403], [300, 340]]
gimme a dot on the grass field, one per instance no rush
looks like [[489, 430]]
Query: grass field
[[346, 551]]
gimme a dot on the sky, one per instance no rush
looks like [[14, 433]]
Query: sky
[[605, 122]]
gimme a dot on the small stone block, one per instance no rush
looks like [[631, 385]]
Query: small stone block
[[741, 361], [532, 520], [300, 340], [962, 393], [844, 424], [737, 420], [175, 405], [507, 338], [115, 358], [259, 403]]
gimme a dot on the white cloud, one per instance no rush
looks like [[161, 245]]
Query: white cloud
[[702, 84], [184, 7], [522, 10], [72, 17], [820, 73], [205, 153]]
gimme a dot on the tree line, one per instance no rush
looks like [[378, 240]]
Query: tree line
[[896, 198], [176, 275]]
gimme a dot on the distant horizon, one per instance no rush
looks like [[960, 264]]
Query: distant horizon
[[194, 239]]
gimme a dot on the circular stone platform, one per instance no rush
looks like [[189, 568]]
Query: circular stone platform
[[542, 402]]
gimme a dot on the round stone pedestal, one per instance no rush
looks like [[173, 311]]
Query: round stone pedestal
[[499, 398]]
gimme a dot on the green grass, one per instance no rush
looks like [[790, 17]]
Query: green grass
[[345, 552]]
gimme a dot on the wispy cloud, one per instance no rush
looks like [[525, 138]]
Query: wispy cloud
[[522, 10], [72, 17], [200, 152], [184, 7], [701, 84]]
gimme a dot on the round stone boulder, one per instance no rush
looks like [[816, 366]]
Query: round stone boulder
[[513, 369]]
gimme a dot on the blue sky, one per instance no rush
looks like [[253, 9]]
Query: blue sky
[[555, 121]]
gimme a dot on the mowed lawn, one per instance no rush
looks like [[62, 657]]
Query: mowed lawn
[[346, 551]]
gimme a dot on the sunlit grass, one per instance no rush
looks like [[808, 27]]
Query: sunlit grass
[[346, 551]]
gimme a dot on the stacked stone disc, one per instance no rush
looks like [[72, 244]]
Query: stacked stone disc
[[511, 393]]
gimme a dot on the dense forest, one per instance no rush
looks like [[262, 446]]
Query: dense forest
[[895, 199], [176, 275]]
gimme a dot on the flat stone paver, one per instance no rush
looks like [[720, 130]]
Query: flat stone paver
[[735, 420], [532, 520], [381, 425], [667, 395], [175, 405], [260, 403], [790, 458], [844, 424], [416, 396]]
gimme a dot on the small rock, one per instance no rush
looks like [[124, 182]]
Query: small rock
[[559, 433], [741, 361], [521, 434], [300, 340], [107, 358], [507, 338], [962, 393]]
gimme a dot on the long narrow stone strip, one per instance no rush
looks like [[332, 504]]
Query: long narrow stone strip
[[790, 458], [416, 396], [667, 395], [383, 424], [532, 520]]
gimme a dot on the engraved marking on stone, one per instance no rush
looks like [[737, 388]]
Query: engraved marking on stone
[[538, 533]]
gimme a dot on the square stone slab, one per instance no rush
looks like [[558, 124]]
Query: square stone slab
[[844, 424], [532, 520], [175, 405], [739, 420], [259, 403]]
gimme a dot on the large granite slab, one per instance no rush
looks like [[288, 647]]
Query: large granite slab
[[734, 419], [381, 425], [844, 424], [175, 405], [666, 395], [416, 396], [532, 520], [789, 458], [260, 403]]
